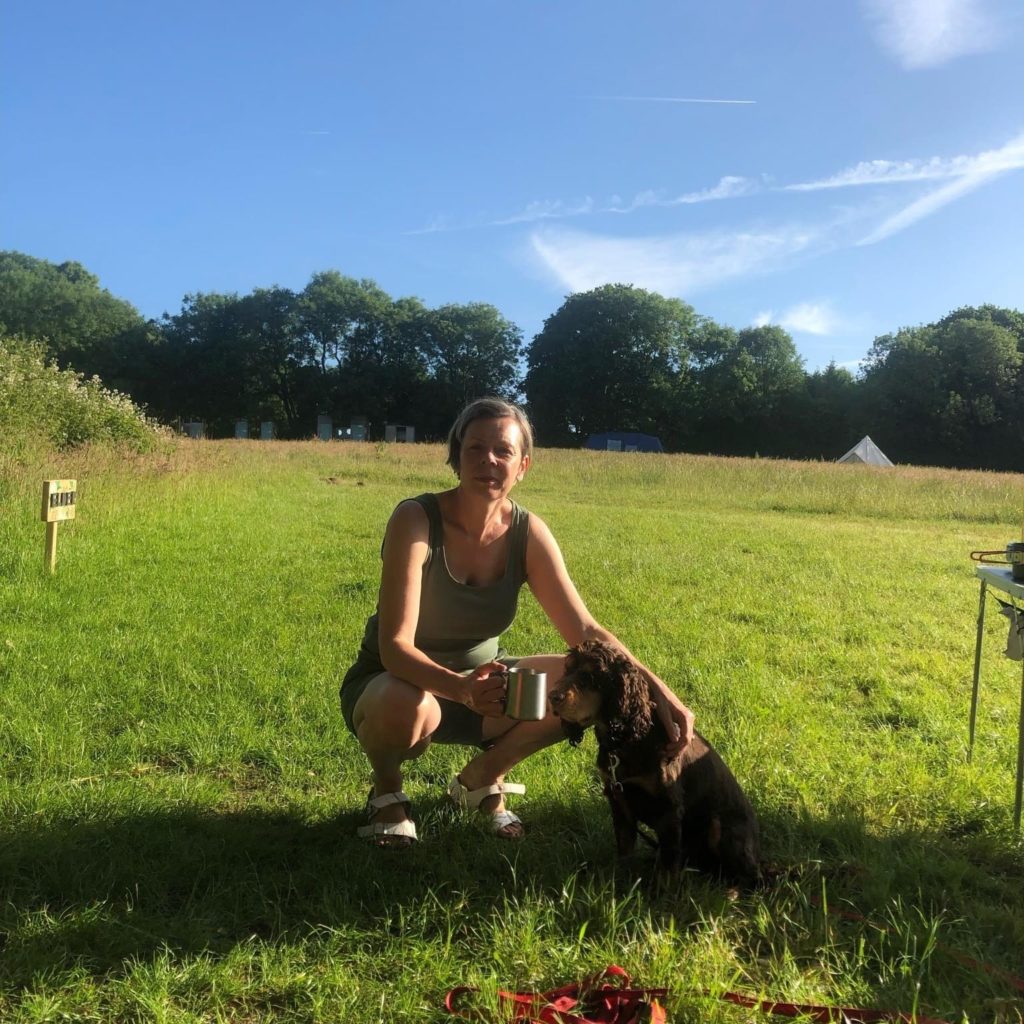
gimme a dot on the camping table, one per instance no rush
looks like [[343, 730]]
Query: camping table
[[999, 578]]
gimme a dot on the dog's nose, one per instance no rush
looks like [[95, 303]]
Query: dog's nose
[[556, 697]]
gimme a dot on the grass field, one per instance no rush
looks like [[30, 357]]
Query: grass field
[[179, 796]]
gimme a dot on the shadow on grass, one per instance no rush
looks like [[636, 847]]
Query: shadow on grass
[[95, 893]]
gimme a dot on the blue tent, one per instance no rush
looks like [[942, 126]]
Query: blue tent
[[623, 441]]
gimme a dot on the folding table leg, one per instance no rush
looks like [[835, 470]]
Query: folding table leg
[[977, 666], [1020, 756]]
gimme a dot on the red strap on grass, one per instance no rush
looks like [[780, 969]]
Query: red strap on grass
[[583, 1004], [592, 1001], [595, 1001]]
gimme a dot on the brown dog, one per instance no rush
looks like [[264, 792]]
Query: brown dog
[[693, 802]]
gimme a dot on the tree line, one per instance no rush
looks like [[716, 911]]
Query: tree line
[[613, 358]]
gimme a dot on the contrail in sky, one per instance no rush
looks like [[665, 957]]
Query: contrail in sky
[[668, 99]]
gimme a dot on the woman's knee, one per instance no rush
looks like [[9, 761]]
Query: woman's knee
[[396, 711]]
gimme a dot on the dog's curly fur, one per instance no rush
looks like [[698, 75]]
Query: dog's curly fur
[[626, 709], [700, 814]]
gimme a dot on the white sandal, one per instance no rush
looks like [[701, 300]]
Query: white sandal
[[472, 798], [387, 833]]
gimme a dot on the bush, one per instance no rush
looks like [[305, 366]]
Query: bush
[[42, 404]]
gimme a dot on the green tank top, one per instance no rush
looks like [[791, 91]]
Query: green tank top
[[459, 625]]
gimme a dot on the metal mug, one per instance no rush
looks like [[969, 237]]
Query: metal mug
[[526, 694]]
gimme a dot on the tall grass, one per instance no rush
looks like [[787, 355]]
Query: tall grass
[[180, 797]]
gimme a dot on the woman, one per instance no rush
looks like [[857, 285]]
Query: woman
[[429, 666]]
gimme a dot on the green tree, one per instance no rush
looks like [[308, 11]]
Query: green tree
[[384, 375], [406, 395], [1011, 319], [613, 358], [340, 347], [231, 356], [470, 350], [274, 351], [204, 361], [827, 417], [333, 309], [379, 360], [948, 393], [749, 385], [81, 324]]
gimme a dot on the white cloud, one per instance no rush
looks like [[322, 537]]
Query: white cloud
[[983, 168], [729, 187], [672, 265], [810, 318], [924, 207], [686, 263], [968, 171], [805, 318], [545, 209], [885, 172], [926, 33]]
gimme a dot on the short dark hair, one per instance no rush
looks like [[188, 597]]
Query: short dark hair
[[491, 409]]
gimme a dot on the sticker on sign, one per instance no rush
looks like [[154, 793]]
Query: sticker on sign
[[59, 500]]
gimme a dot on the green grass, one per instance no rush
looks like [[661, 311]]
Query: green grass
[[179, 796]]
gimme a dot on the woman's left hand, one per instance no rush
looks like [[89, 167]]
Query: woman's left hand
[[675, 716]]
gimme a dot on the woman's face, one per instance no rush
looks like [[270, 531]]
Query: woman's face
[[492, 461]]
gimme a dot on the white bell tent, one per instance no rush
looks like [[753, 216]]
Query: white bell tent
[[866, 452]]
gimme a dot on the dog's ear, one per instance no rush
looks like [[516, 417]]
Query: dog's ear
[[573, 733], [631, 700]]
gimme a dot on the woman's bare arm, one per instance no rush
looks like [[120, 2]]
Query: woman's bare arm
[[406, 546], [557, 595]]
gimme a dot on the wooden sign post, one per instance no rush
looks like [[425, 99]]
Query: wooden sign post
[[58, 504]]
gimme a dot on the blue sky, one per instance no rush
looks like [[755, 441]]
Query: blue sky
[[512, 153]]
